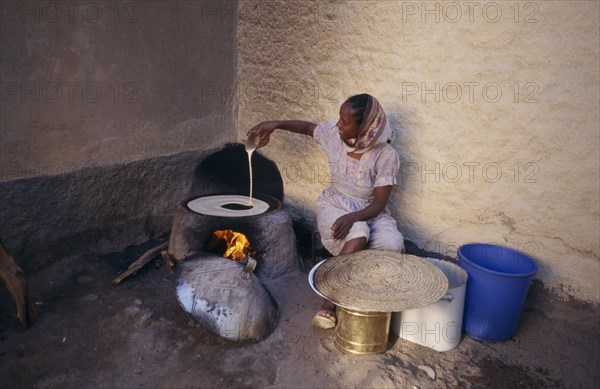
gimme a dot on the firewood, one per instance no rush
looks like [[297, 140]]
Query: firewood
[[13, 279], [141, 262], [168, 260]]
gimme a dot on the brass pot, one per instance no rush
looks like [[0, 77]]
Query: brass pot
[[360, 332]]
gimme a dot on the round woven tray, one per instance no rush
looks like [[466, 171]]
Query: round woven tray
[[375, 280]]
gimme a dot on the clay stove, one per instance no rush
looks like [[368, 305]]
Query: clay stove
[[222, 294]]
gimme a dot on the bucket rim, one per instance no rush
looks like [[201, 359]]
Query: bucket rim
[[461, 257], [458, 268]]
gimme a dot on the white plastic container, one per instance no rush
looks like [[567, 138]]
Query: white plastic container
[[437, 326]]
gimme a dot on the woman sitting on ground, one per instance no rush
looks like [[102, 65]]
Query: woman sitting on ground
[[352, 212]]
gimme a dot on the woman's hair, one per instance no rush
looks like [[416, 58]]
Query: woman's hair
[[358, 103]]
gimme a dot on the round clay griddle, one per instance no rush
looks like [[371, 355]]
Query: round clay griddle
[[376, 281], [228, 205]]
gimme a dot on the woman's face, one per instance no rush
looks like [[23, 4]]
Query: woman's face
[[347, 124]]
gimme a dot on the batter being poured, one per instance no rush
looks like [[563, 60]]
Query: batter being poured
[[232, 205], [251, 144]]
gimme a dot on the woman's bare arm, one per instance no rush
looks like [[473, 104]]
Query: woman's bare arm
[[341, 227], [265, 129]]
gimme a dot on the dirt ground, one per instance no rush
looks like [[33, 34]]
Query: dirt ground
[[89, 333]]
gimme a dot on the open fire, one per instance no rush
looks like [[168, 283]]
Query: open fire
[[230, 244]]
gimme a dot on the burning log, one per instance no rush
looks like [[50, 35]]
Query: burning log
[[230, 244], [13, 279]]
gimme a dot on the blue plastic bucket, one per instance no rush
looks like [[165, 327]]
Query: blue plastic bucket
[[499, 279]]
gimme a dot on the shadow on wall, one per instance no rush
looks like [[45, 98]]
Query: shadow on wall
[[92, 211], [419, 243], [395, 115]]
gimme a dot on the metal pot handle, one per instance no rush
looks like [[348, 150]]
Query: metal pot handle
[[250, 265], [448, 297]]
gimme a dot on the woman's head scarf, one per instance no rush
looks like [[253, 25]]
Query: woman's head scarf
[[373, 130]]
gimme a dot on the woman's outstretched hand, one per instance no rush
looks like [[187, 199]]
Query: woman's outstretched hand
[[264, 131], [341, 227]]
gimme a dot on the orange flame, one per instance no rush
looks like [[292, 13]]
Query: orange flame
[[230, 244]]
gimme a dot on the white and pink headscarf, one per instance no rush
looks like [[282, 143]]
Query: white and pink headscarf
[[373, 130]]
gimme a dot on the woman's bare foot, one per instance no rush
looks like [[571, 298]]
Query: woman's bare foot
[[325, 318]]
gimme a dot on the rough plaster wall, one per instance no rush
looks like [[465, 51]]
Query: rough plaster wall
[[106, 109], [518, 169], [99, 83]]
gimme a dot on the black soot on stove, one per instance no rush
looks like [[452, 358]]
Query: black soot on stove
[[226, 172], [237, 206]]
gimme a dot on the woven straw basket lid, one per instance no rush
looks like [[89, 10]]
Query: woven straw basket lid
[[375, 280]]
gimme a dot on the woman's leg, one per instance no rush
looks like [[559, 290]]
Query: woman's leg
[[354, 245], [357, 240], [385, 234], [327, 214], [351, 246]]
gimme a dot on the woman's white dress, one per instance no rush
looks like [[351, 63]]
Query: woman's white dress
[[351, 190]]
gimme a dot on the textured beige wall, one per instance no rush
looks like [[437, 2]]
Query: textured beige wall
[[519, 169], [102, 82]]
